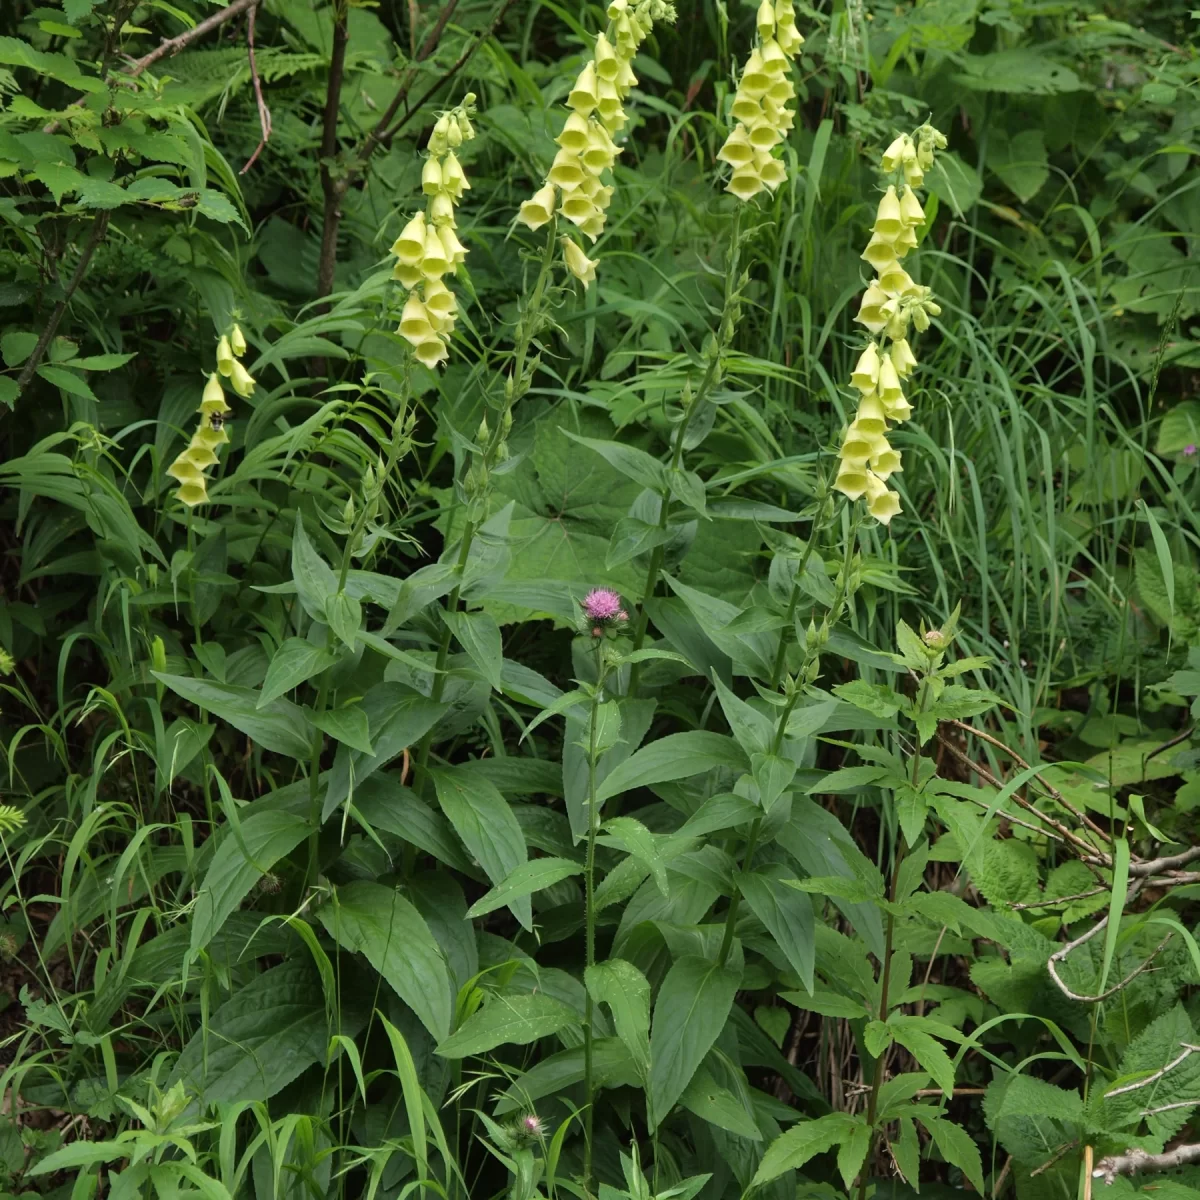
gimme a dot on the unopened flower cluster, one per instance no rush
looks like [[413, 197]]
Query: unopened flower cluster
[[890, 305], [201, 453], [428, 247], [573, 185], [760, 106]]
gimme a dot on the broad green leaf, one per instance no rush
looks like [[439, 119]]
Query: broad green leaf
[[689, 1014], [611, 1067], [634, 838], [265, 837], [316, 584], [479, 635], [262, 1038], [376, 921], [718, 1106], [909, 1032], [524, 880], [279, 726], [348, 725], [676, 756], [621, 986], [295, 661], [509, 1020], [788, 917], [482, 818], [344, 615], [1020, 161], [828, 1004], [633, 463]]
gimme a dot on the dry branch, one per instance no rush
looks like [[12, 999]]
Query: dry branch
[[172, 46], [1137, 1161]]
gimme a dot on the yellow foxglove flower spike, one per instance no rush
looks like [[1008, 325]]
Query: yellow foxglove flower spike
[[762, 118], [891, 303], [428, 247], [200, 453], [586, 146]]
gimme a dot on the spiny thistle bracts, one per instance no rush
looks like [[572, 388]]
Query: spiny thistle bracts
[[891, 303], [573, 186], [760, 106], [190, 467], [428, 247]]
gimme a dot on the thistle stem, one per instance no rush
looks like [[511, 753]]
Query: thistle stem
[[589, 879]]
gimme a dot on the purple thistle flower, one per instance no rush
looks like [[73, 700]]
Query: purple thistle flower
[[602, 604], [1189, 450], [532, 1125]]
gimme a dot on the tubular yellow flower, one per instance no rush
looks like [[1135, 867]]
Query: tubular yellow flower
[[891, 302], [578, 263], [586, 148], [200, 453], [428, 246], [762, 118]]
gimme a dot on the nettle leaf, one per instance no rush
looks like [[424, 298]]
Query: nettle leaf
[[621, 986], [914, 1034], [633, 463], [1031, 1118], [1020, 161], [690, 1012], [634, 838], [875, 698], [1159, 1044], [509, 1020], [791, 1150], [957, 1147], [853, 1152]]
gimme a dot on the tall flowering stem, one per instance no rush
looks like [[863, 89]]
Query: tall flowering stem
[[760, 106], [191, 465], [891, 303], [428, 248], [574, 186]]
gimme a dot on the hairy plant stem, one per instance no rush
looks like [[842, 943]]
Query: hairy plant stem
[[712, 373], [793, 602], [886, 975], [528, 326], [812, 653], [589, 882]]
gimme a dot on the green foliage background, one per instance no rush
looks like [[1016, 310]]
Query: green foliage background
[[340, 859]]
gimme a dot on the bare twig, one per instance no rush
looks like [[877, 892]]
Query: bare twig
[[1170, 743], [1137, 1161], [99, 228], [1051, 901], [332, 187], [1150, 1112], [1059, 955], [1158, 866], [384, 131], [264, 113], [1188, 1051], [1061, 834], [1051, 790], [1088, 1157], [171, 46]]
